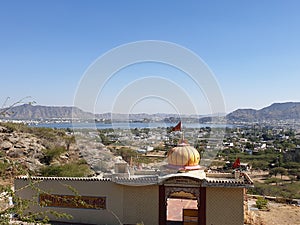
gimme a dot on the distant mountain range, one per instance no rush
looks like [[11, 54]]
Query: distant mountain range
[[276, 111], [37, 112], [28, 111]]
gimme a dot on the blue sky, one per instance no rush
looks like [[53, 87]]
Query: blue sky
[[252, 47]]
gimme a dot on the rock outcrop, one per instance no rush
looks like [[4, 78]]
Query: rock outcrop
[[22, 148]]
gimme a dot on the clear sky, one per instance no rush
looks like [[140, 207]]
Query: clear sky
[[252, 47]]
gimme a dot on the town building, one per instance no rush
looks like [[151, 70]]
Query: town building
[[154, 198]]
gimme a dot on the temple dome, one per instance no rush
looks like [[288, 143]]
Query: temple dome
[[183, 157]]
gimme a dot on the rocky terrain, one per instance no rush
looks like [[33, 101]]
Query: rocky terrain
[[25, 150], [22, 148]]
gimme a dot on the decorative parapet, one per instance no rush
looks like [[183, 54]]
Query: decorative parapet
[[237, 179], [223, 183], [136, 181], [240, 179], [219, 175], [62, 178]]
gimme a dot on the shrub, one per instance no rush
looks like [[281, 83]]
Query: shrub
[[68, 170], [3, 168], [261, 203], [51, 171], [50, 154], [126, 153]]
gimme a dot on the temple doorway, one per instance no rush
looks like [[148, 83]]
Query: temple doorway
[[182, 208], [182, 201]]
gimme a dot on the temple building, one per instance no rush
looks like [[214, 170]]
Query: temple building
[[180, 192]]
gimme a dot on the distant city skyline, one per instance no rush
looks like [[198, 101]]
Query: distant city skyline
[[252, 49]]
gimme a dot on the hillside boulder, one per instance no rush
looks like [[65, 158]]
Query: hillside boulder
[[6, 145]]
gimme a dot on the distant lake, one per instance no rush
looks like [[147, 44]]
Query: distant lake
[[124, 125]]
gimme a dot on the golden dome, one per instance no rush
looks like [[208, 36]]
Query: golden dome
[[184, 156]]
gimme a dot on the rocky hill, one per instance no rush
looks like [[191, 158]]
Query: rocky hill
[[28, 111], [50, 152], [25, 150], [21, 148], [276, 111]]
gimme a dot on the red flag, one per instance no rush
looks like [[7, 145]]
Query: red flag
[[236, 164], [177, 127]]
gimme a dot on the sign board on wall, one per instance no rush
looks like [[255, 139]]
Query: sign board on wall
[[71, 201]]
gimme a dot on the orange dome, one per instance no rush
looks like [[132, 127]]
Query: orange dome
[[184, 156]]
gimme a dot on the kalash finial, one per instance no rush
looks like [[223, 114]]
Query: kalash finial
[[182, 141]]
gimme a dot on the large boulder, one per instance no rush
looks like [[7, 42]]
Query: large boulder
[[6, 145], [15, 153], [13, 139]]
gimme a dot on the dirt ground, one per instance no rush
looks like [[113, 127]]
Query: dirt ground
[[280, 214], [277, 214]]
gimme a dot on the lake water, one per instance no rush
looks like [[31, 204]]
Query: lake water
[[125, 125]]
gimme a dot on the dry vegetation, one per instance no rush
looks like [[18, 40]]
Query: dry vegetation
[[277, 213], [38, 151]]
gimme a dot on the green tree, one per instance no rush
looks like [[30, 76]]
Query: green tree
[[249, 145], [127, 153], [282, 171], [69, 139], [292, 166], [272, 180], [260, 164], [278, 170], [104, 138]]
